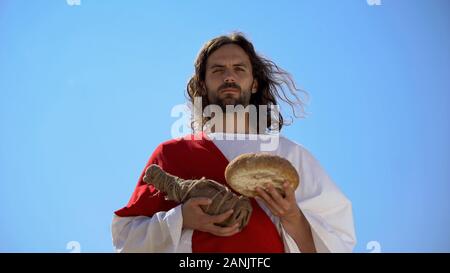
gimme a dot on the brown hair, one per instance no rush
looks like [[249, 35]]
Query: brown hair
[[269, 76]]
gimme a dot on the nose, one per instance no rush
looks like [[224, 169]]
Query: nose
[[229, 76]]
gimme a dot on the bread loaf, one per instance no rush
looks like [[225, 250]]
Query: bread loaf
[[251, 170]]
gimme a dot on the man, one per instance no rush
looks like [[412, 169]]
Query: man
[[314, 217]]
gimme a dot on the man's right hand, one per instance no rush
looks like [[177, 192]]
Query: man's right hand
[[195, 218]]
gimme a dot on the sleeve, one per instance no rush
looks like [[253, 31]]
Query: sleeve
[[160, 233], [149, 223], [327, 210]]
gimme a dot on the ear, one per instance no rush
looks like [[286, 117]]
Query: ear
[[254, 86]]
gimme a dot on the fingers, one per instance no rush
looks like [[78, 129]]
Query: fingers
[[195, 218], [197, 201], [224, 231], [270, 200], [275, 195], [279, 205], [220, 217], [211, 226], [289, 190]]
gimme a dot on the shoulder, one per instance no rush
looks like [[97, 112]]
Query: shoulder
[[314, 176], [295, 149], [178, 145], [302, 158]]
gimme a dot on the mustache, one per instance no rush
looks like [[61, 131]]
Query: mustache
[[229, 85]]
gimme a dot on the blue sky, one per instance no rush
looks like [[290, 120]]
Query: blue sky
[[86, 94]]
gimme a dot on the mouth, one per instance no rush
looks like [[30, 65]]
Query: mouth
[[230, 90]]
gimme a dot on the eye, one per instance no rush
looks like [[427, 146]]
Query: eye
[[239, 69], [217, 71]]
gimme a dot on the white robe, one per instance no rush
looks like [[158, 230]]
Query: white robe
[[326, 208]]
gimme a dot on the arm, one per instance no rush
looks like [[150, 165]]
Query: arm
[[326, 209], [169, 231], [160, 233], [300, 230], [291, 217]]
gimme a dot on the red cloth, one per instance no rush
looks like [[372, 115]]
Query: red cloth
[[194, 159]]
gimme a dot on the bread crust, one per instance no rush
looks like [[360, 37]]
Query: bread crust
[[251, 170]]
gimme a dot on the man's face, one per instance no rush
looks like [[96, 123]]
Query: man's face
[[229, 79]]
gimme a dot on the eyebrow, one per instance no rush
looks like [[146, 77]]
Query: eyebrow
[[234, 65]]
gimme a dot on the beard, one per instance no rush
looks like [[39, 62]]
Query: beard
[[231, 99], [223, 99]]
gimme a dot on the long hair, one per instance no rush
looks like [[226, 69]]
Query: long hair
[[270, 78]]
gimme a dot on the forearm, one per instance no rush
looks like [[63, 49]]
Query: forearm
[[298, 228]]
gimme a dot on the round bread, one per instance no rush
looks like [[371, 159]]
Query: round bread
[[248, 171]]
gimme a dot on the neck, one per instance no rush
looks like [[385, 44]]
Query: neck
[[236, 123]]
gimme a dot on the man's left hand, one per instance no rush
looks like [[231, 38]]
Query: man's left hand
[[284, 207]]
